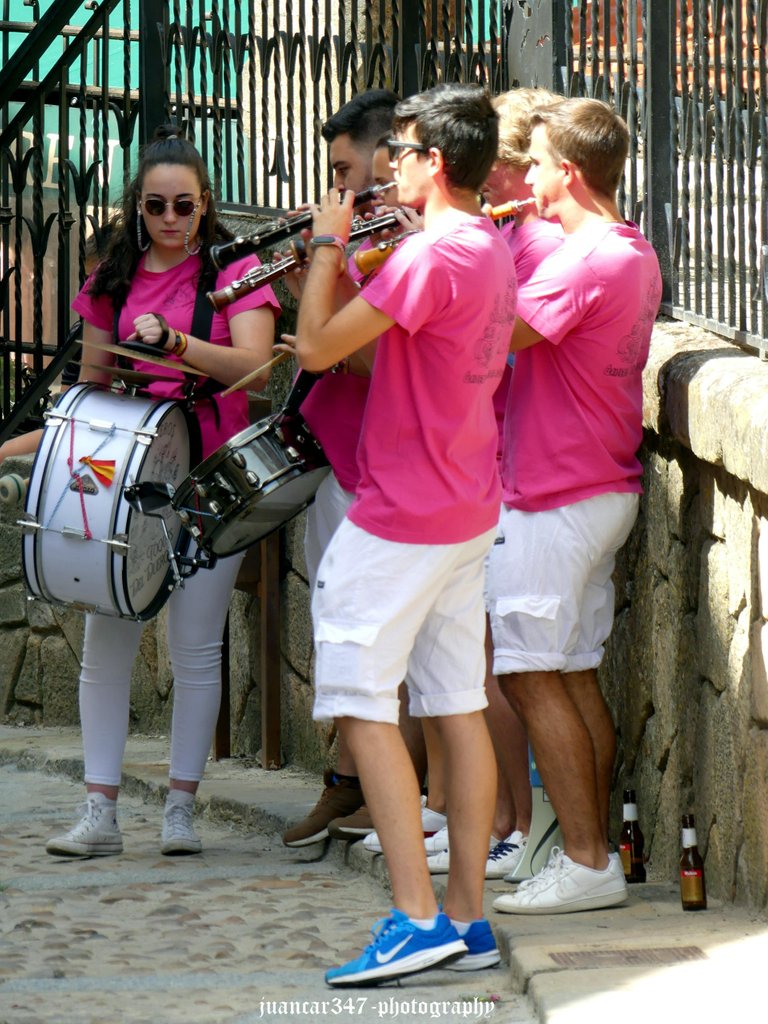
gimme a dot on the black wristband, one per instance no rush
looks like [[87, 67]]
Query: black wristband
[[161, 342]]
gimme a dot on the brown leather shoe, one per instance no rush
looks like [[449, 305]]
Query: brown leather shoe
[[338, 800], [354, 826]]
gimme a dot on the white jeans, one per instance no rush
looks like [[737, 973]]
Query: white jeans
[[196, 617], [324, 516]]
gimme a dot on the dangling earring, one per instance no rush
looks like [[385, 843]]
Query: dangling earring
[[139, 233], [187, 250]]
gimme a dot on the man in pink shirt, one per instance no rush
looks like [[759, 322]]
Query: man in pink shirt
[[334, 412], [571, 482], [400, 588]]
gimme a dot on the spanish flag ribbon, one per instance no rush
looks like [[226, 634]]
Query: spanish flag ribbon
[[103, 469]]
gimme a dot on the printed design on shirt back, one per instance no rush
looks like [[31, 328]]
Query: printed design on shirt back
[[633, 347], [491, 349]]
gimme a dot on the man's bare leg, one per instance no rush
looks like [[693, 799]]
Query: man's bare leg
[[565, 757], [413, 735], [585, 692], [510, 743], [345, 762], [435, 765], [470, 778], [393, 795]]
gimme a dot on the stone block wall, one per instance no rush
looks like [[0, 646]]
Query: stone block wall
[[685, 669]]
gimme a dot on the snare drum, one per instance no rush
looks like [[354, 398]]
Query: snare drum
[[252, 485], [82, 543]]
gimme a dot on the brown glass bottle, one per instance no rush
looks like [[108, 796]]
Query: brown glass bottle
[[693, 891], [631, 841]]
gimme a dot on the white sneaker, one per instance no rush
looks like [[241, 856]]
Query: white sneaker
[[431, 822], [505, 857], [438, 842], [564, 886], [438, 863], [178, 834], [96, 834]]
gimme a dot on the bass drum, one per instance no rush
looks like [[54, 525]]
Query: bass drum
[[83, 545], [252, 485]]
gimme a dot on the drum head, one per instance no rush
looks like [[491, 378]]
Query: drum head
[[145, 567], [255, 520], [252, 485], [85, 546]]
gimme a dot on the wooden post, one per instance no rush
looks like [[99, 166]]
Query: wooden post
[[269, 595]]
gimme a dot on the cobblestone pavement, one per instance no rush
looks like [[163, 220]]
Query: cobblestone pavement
[[239, 934]]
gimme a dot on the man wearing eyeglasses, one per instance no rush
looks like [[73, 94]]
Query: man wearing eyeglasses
[[334, 412], [399, 590]]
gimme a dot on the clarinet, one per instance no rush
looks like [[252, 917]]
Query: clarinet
[[280, 230], [270, 272]]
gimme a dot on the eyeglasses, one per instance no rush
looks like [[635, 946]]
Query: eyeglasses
[[181, 207], [393, 145]]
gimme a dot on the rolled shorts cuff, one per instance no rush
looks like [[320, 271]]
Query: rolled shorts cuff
[[507, 663], [584, 661], [464, 702], [328, 706]]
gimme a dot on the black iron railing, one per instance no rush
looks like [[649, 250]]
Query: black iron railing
[[690, 77], [253, 81]]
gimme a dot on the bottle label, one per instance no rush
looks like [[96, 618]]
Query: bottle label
[[689, 837], [625, 852], [630, 812], [692, 885]]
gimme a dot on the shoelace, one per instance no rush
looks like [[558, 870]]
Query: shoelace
[[88, 814], [502, 849], [554, 868], [179, 817], [380, 930]]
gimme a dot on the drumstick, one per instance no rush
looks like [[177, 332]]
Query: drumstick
[[255, 373], [120, 350]]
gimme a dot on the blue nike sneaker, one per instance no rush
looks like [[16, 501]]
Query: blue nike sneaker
[[481, 946], [399, 948]]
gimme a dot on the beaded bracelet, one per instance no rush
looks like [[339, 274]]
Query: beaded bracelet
[[181, 344]]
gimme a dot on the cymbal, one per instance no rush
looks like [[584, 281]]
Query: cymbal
[[169, 364], [128, 376]]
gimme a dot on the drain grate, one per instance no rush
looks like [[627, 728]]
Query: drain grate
[[628, 957]]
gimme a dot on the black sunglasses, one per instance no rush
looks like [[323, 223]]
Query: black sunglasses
[[181, 207], [393, 145]]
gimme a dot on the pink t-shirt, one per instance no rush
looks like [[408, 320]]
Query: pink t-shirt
[[172, 293], [427, 453], [334, 411], [574, 419], [529, 244]]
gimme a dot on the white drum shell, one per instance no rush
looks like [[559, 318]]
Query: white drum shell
[[124, 569]]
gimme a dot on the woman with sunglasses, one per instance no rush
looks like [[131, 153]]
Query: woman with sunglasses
[[151, 288]]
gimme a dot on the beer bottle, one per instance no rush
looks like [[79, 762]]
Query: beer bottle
[[693, 892], [631, 842]]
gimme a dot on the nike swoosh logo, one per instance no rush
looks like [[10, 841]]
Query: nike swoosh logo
[[384, 958]]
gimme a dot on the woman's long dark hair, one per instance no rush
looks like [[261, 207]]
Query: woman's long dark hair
[[114, 274]]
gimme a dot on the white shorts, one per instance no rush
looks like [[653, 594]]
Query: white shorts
[[549, 587], [324, 516], [385, 612]]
